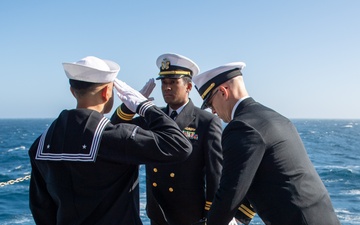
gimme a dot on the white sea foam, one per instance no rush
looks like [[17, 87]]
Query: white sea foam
[[332, 180], [347, 217], [350, 168], [19, 220], [18, 167], [17, 148], [353, 192]]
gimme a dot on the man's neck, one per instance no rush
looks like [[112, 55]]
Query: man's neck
[[98, 108], [177, 106]]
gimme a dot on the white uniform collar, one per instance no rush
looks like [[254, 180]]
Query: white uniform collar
[[236, 105]]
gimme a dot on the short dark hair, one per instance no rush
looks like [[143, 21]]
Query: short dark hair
[[186, 79], [81, 87]]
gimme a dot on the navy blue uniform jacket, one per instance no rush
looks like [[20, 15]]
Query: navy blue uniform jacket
[[266, 162], [185, 191], [179, 189], [85, 169]]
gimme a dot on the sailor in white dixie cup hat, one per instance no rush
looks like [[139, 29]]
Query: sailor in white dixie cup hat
[[92, 69], [84, 167], [211, 79]]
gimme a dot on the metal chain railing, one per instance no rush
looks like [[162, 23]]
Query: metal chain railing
[[20, 179]]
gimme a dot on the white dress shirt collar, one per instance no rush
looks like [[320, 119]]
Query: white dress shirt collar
[[179, 109], [236, 105]]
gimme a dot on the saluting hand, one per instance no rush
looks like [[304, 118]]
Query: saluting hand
[[129, 96], [148, 88]]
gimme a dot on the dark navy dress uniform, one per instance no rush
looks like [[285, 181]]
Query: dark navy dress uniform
[[182, 194], [184, 191], [265, 162], [177, 194], [85, 169]]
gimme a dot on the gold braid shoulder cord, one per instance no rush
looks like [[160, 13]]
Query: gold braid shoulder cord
[[20, 179]]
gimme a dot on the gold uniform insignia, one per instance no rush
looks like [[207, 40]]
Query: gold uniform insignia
[[165, 64]]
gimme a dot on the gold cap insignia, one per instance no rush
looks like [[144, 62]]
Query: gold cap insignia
[[165, 64]]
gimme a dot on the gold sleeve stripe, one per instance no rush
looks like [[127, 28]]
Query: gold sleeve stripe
[[124, 116], [207, 205], [248, 212]]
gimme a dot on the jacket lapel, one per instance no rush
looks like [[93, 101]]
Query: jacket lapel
[[185, 117]]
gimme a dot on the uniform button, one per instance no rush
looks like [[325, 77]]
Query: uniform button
[[172, 174], [171, 189], [155, 170], [154, 184]]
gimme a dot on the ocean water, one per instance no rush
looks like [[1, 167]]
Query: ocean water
[[333, 146]]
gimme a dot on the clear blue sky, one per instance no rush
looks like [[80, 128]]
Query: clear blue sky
[[302, 57]]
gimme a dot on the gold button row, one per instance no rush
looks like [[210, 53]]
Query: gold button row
[[170, 188], [156, 170]]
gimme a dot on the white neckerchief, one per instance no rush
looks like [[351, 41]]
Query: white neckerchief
[[236, 105], [179, 109]]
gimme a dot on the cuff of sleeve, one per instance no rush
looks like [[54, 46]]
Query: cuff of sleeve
[[207, 205], [124, 113], [141, 109], [245, 214]]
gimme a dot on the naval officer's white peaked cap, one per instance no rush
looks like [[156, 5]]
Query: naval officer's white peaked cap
[[92, 69], [211, 79], [173, 65]]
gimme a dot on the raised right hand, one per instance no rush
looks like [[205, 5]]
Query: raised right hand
[[129, 96]]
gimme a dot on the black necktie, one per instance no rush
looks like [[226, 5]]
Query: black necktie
[[173, 114]]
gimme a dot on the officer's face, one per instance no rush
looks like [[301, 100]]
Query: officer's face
[[218, 104], [175, 91]]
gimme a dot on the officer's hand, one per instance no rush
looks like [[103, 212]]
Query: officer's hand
[[148, 88], [130, 97]]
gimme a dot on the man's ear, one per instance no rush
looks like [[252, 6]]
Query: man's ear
[[72, 92], [104, 92], [224, 91], [189, 87]]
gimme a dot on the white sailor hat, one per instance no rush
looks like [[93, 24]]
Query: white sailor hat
[[211, 79], [173, 65], [92, 69]]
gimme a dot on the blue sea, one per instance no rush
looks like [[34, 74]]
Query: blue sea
[[333, 146]]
